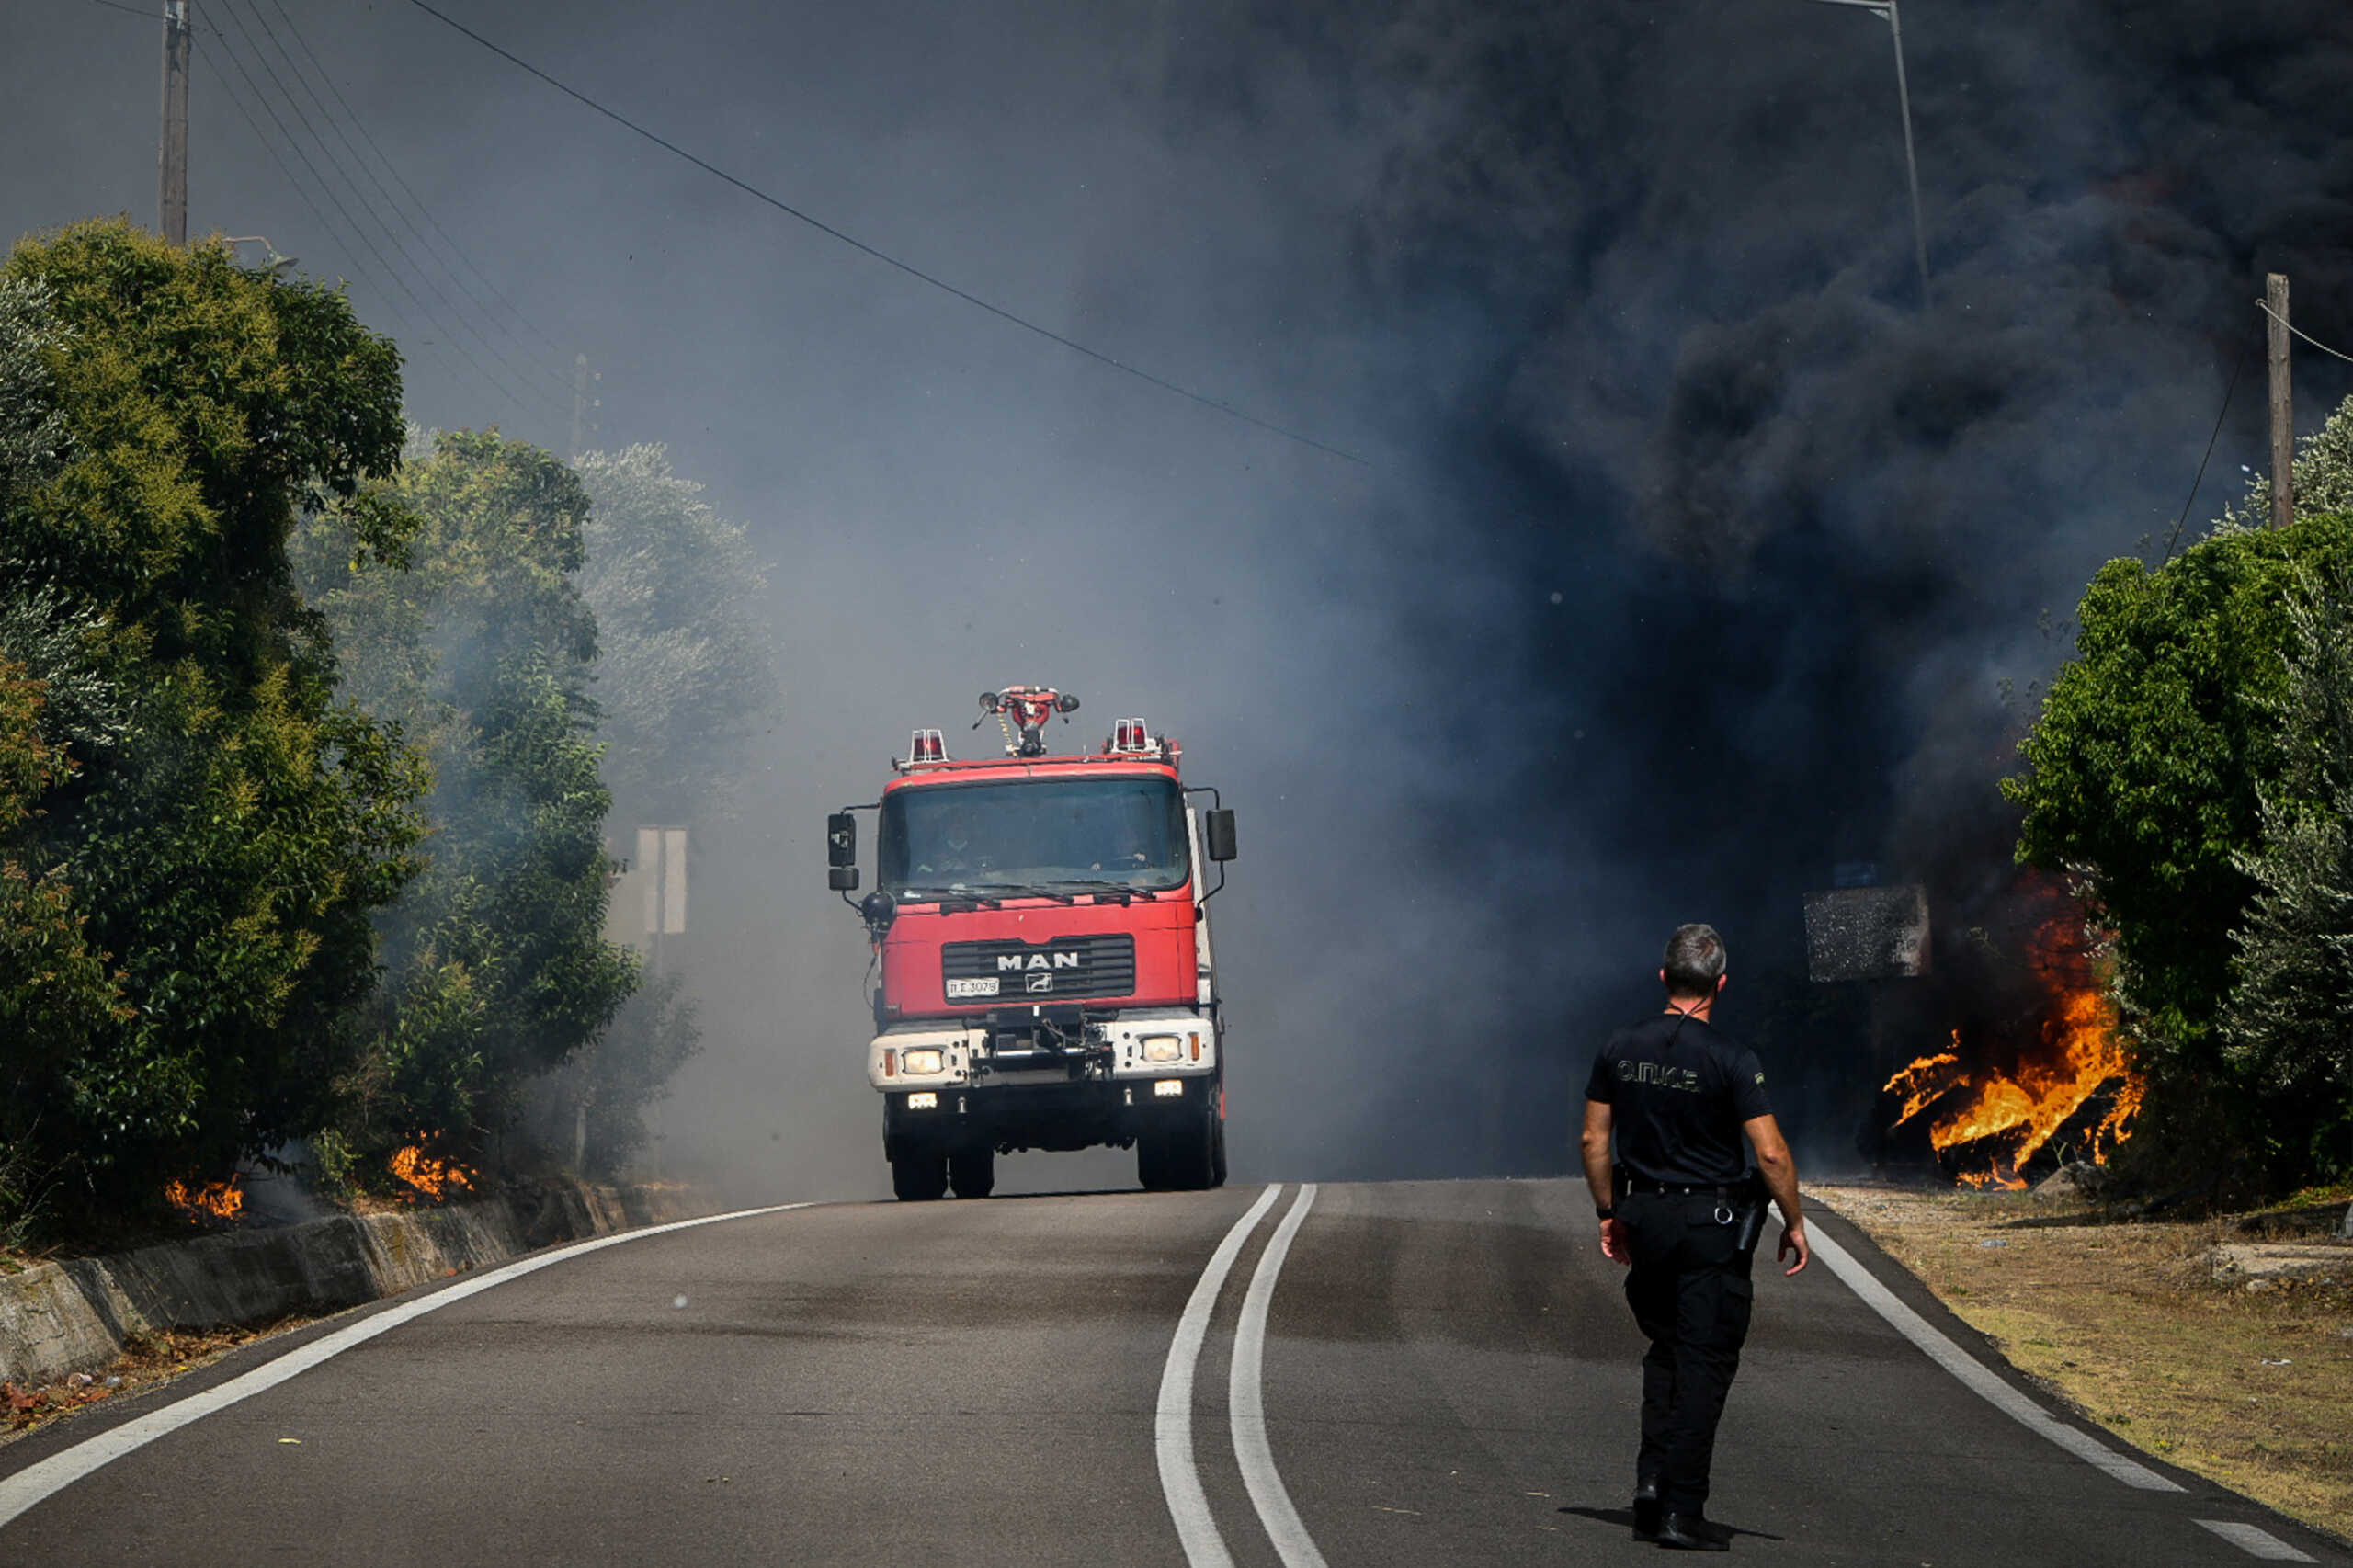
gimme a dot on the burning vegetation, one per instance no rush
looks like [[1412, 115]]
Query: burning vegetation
[[219, 1200], [429, 1177], [2040, 1083]]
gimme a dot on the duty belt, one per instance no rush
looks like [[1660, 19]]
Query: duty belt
[[1690, 1190]]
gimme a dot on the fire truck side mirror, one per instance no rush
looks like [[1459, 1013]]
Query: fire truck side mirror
[[841, 841], [842, 878], [1219, 826]]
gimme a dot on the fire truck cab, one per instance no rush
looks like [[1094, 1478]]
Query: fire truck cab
[[1043, 973]]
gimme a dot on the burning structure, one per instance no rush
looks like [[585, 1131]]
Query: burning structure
[[2026, 1070]]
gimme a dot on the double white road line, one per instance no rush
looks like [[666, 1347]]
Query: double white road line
[[1180, 1479]]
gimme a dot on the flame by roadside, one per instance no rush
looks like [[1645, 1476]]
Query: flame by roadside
[[1993, 1122], [214, 1199], [432, 1177]]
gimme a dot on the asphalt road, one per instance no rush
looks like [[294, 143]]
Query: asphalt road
[[1446, 1373]]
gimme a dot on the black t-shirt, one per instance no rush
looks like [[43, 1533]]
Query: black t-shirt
[[1678, 1091]]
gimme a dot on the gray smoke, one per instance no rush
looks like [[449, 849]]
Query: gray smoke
[[1690, 556]]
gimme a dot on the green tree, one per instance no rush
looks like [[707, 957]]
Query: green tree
[[687, 661], [480, 650], [686, 667], [57, 996], [2288, 1029], [629, 1071], [226, 848], [2147, 768], [32, 427]]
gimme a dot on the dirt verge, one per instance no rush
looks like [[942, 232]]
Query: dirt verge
[[2223, 1345], [150, 1359]]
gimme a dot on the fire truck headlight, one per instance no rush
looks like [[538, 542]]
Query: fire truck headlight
[[1162, 1046], [1169, 1089], [926, 1100], [922, 1063]]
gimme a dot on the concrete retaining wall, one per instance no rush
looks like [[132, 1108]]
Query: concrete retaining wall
[[60, 1318]]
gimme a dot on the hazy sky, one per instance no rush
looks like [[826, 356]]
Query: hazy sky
[[1684, 557]]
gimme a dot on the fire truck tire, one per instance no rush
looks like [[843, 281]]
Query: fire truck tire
[[1151, 1162], [919, 1175], [1217, 1153], [1182, 1156], [972, 1172]]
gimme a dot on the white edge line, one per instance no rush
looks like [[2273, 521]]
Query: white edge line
[[1961, 1365], [1172, 1426], [30, 1486], [1246, 1401], [2256, 1541]]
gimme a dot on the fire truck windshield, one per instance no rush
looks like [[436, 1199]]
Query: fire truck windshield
[[1052, 835]]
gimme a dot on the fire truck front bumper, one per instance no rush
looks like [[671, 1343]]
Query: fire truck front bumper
[[924, 1057], [1143, 1044]]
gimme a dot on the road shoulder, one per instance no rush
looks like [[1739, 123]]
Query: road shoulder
[[2120, 1331]]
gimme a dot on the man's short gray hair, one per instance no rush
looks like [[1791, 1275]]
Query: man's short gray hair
[[1695, 961]]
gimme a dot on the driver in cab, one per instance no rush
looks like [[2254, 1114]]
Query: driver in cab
[[952, 851]]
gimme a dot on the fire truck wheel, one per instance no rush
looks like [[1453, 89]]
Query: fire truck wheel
[[1217, 1153], [972, 1172], [1188, 1151], [919, 1175], [1152, 1161]]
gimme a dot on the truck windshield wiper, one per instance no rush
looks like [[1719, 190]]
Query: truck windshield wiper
[[1017, 890], [1094, 885]]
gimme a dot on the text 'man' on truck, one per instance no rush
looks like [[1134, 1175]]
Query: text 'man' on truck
[[1041, 931]]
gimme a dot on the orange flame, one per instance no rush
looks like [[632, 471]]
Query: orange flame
[[2012, 1115], [214, 1199], [434, 1178], [1921, 1082]]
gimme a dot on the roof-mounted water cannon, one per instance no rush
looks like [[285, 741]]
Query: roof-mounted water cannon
[[1027, 708]]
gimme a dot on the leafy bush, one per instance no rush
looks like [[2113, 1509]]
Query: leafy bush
[[2288, 1029], [222, 829], [495, 969], [2158, 776]]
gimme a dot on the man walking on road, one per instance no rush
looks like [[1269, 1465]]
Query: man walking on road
[[1683, 1209]]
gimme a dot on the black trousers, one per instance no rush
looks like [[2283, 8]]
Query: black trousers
[[1690, 1291]]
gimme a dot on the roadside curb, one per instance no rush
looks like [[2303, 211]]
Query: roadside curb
[[61, 1318], [1913, 1292]]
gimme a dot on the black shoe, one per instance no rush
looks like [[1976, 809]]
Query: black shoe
[[1689, 1532], [1646, 1511]]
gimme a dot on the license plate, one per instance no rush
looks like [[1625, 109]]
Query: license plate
[[984, 986]]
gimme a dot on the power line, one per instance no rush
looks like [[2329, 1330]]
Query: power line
[[2265, 306], [143, 15], [447, 339], [885, 257], [389, 269], [393, 271], [423, 271], [450, 246], [326, 225], [2194, 483]]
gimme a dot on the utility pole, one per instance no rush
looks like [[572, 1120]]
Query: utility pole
[[2283, 407], [173, 177], [583, 406], [1886, 10], [1911, 162]]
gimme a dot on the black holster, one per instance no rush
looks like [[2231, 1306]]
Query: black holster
[[1752, 1212]]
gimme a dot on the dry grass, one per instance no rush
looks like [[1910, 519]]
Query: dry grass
[[2251, 1386], [147, 1361]]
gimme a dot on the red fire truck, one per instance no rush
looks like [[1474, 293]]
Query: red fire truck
[[1041, 936]]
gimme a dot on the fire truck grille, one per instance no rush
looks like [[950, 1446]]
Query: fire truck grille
[[1060, 969]]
